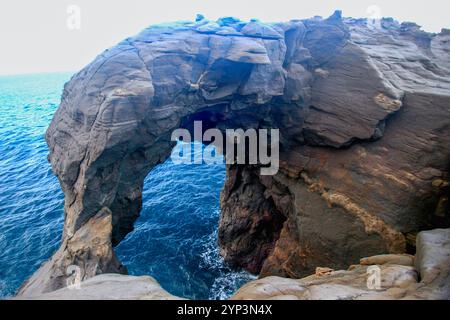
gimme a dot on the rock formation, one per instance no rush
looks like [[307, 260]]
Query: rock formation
[[425, 276], [110, 286], [364, 119], [401, 276]]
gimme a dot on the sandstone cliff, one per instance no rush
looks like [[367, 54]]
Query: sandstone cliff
[[364, 118]]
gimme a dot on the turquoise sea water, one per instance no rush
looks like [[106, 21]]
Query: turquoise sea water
[[175, 239]]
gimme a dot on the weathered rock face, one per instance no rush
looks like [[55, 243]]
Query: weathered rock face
[[400, 276], [110, 286], [425, 276], [364, 119], [371, 168]]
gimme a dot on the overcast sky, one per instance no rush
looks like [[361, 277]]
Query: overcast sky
[[35, 36]]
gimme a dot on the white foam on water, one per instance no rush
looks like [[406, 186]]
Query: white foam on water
[[229, 280]]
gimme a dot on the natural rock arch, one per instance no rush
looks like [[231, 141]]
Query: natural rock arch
[[329, 89]]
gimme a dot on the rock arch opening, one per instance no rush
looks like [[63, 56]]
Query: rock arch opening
[[175, 237]]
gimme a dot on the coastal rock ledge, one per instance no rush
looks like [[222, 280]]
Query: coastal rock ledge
[[364, 118], [402, 276]]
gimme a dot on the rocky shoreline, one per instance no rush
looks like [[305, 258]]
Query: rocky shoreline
[[364, 119], [402, 276]]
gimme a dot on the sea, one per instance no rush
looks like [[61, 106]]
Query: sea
[[175, 237]]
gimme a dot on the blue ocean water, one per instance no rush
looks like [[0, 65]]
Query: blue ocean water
[[175, 239]]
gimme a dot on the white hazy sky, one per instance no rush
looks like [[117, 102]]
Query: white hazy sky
[[35, 36]]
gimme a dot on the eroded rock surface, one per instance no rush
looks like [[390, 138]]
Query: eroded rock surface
[[429, 278], [401, 276], [109, 287], [364, 119]]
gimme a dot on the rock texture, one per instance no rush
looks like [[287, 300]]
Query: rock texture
[[364, 118], [109, 287], [402, 276], [427, 276], [364, 167]]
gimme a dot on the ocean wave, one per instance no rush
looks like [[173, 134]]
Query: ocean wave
[[227, 279]]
